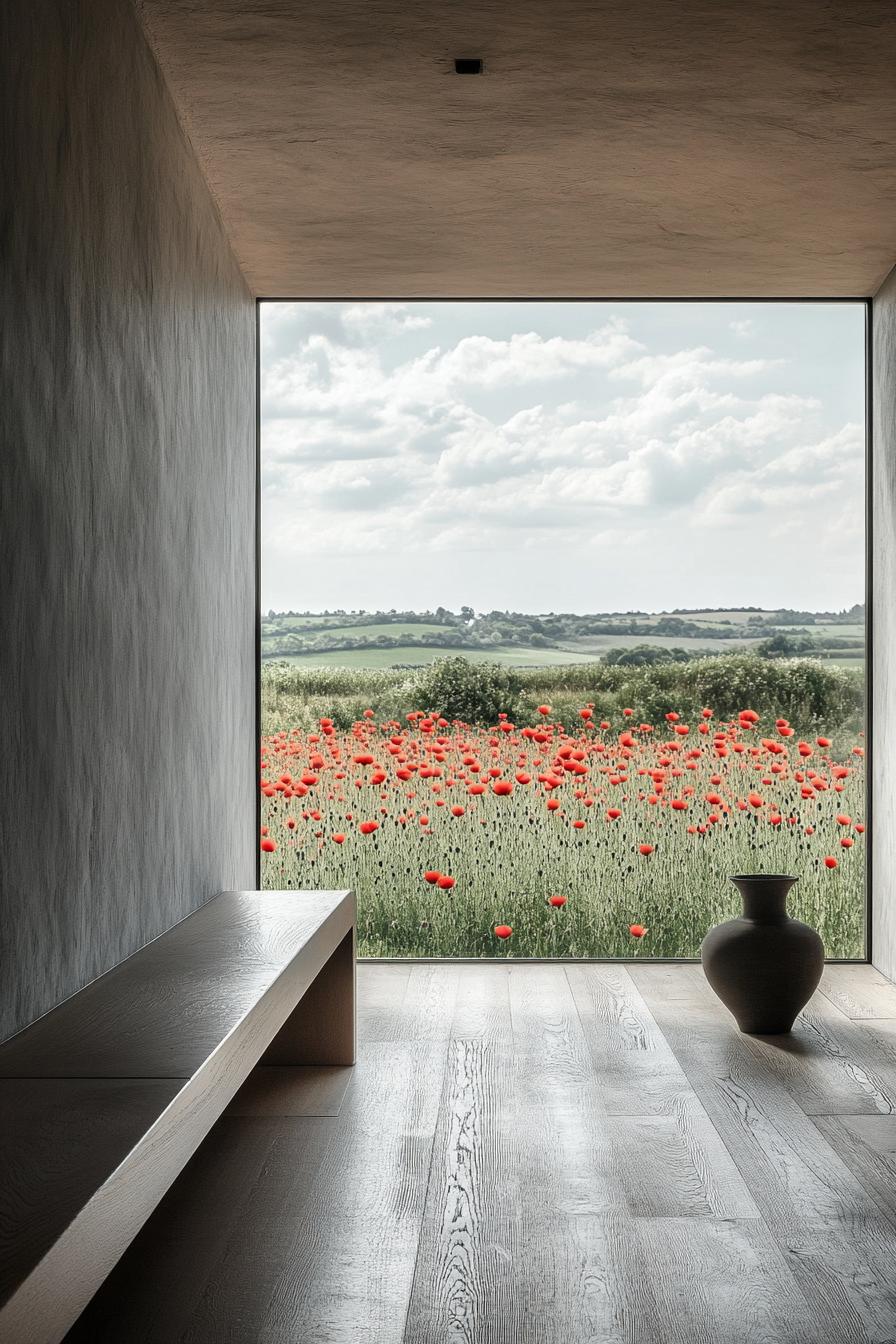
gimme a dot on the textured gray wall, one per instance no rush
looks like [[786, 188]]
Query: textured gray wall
[[127, 734], [883, 746]]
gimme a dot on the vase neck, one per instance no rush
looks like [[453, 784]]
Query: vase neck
[[765, 900]]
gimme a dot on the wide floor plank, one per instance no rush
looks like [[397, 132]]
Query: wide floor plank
[[636, 1069], [859, 991]]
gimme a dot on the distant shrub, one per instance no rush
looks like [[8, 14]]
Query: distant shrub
[[473, 692], [646, 655]]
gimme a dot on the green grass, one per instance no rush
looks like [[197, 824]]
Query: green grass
[[411, 656], [600, 643]]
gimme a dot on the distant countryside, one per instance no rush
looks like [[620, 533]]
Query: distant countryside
[[411, 639], [585, 782]]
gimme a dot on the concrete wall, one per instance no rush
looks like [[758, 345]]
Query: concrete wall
[[883, 745], [127, 735]]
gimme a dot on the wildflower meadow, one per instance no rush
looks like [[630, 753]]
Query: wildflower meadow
[[598, 834]]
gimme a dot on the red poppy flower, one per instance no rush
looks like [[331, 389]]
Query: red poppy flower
[[502, 787], [445, 882], [579, 825], [830, 862], [368, 827], [457, 811], [544, 709], [503, 931], [553, 804], [637, 930], [823, 741], [290, 825], [645, 850], [432, 876], [613, 813], [339, 839], [557, 901], [847, 842], [268, 845]]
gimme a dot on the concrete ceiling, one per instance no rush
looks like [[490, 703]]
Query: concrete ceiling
[[611, 148]]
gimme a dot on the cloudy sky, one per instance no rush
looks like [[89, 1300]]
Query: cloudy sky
[[562, 456]]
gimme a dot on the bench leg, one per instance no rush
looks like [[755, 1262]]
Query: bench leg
[[321, 1028]]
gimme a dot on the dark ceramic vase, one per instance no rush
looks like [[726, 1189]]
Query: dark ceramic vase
[[764, 966]]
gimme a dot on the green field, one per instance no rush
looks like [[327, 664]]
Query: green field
[[518, 640], [598, 644], [411, 655], [398, 630]]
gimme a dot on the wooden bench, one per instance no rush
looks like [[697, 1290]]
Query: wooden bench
[[104, 1100]]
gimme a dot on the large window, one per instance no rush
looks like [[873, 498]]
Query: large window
[[563, 618]]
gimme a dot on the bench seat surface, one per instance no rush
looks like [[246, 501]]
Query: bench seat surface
[[103, 1099], [161, 1012]]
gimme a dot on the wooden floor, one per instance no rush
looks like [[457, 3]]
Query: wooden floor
[[587, 1154]]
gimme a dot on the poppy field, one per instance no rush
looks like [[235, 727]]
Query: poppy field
[[598, 837]]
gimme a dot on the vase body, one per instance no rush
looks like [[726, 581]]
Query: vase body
[[764, 966]]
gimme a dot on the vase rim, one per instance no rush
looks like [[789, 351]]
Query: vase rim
[[763, 877]]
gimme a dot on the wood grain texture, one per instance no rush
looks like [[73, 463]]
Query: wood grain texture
[[832, 1065], [637, 1070], [883, 615], [379, 986], [859, 991], [482, 1004], [464, 1272], [672, 1280], [477, 1187], [128, 753], [647, 150], [867, 1144], [424, 1008], [792, 1173]]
